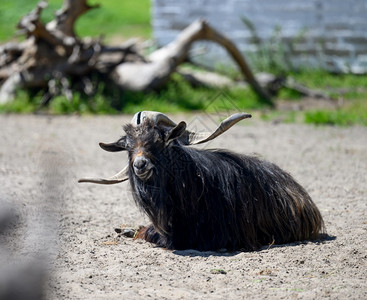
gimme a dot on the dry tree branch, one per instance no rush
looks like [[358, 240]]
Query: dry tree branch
[[53, 51]]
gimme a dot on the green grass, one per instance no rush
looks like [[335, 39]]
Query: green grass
[[351, 88], [177, 96], [347, 85], [115, 18], [355, 113], [122, 18], [180, 96]]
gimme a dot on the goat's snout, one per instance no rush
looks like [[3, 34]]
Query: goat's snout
[[142, 167], [140, 163]]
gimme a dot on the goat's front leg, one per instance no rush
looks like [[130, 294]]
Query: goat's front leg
[[149, 234]]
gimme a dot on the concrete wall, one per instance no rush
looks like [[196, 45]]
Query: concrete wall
[[327, 33]]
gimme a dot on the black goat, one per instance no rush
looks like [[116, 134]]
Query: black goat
[[210, 199]]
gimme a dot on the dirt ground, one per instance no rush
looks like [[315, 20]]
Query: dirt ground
[[72, 225]]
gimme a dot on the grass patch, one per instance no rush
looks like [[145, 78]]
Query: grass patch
[[177, 96], [21, 105], [351, 88], [180, 96], [125, 19], [355, 113], [348, 86]]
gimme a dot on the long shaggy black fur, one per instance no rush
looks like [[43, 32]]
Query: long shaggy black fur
[[213, 199]]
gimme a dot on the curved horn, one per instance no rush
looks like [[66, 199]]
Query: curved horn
[[194, 138], [117, 178], [189, 138], [158, 118]]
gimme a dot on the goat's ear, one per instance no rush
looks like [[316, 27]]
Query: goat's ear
[[120, 145], [176, 132]]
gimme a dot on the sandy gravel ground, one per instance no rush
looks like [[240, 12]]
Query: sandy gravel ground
[[72, 225]]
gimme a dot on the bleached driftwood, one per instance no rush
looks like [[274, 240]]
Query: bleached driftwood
[[54, 60]]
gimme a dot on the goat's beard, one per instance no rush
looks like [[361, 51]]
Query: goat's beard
[[150, 196]]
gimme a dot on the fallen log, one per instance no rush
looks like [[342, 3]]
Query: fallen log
[[53, 60]]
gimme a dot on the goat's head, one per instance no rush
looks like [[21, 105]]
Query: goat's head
[[151, 132], [145, 143]]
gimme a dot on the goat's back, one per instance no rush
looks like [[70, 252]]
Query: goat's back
[[218, 199]]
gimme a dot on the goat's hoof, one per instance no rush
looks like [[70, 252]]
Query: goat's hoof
[[129, 232]]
